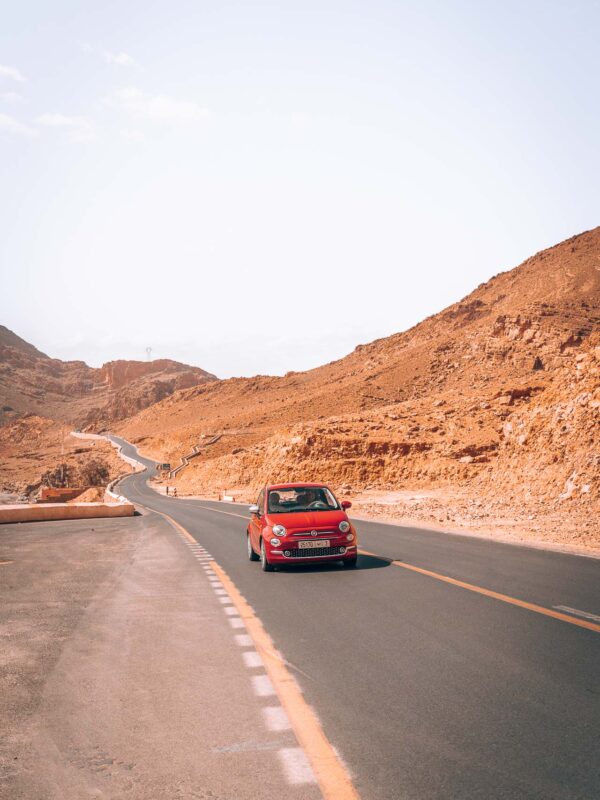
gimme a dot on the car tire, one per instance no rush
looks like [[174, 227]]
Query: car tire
[[252, 556], [350, 563], [266, 567]]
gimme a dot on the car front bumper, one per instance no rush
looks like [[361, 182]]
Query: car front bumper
[[293, 555]]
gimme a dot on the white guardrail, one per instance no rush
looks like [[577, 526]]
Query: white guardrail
[[137, 465]]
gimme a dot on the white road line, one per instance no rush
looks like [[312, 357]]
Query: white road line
[[262, 686], [252, 659], [237, 622], [231, 611], [243, 639], [276, 719], [222, 592], [295, 765], [225, 600], [584, 614]]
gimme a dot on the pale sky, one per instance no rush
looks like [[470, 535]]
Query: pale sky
[[256, 187]]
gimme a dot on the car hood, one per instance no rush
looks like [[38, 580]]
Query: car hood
[[311, 520]]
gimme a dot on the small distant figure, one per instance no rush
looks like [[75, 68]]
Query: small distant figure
[[174, 492], [167, 490]]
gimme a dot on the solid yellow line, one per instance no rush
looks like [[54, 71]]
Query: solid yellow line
[[333, 778], [504, 598], [5, 562], [179, 527]]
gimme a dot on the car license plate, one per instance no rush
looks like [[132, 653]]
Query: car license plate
[[313, 545]]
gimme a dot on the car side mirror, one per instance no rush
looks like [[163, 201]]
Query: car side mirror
[[254, 510], [346, 504]]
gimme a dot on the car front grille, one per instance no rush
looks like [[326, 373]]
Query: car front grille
[[315, 551], [307, 533]]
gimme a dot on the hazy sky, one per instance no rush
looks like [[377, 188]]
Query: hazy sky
[[260, 186]]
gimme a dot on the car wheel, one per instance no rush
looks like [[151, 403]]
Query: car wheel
[[251, 554], [266, 567], [349, 563]]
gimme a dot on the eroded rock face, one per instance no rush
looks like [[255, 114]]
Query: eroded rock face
[[497, 395], [31, 382], [496, 398]]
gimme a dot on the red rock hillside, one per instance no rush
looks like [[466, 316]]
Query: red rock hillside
[[31, 382], [484, 414]]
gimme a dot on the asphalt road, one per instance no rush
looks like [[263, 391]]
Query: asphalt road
[[429, 690]]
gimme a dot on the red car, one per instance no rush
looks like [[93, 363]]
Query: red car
[[303, 523]]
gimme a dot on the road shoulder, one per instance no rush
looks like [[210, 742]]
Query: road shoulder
[[123, 677]]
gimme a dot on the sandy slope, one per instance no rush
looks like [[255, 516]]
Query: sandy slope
[[493, 405]]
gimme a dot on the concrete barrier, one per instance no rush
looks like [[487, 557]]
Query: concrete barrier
[[43, 512]]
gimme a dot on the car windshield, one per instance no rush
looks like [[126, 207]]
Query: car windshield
[[301, 498]]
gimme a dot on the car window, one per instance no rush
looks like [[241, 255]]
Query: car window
[[301, 498], [260, 502]]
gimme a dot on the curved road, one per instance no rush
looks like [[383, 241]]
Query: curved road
[[430, 690]]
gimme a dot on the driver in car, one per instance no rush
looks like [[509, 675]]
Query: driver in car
[[274, 501], [306, 498]]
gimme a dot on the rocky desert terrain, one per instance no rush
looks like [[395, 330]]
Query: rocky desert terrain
[[482, 417], [31, 382], [42, 399], [33, 446]]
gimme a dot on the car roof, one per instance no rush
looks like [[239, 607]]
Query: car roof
[[294, 485]]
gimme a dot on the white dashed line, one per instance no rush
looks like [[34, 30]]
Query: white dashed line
[[584, 614], [276, 719], [252, 659], [295, 765], [294, 761], [262, 686]]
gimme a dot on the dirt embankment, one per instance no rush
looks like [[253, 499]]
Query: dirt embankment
[[487, 413], [33, 446]]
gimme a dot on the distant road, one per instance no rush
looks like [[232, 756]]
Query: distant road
[[429, 689]]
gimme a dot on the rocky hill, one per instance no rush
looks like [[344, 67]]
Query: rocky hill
[[492, 405], [31, 382]]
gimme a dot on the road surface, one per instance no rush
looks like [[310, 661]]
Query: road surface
[[428, 689], [120, 677]]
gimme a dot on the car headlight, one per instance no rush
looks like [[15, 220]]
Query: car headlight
[[278, 530], [344, 526], [275, 541]]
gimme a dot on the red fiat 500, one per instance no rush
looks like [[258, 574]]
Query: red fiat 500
[[296, 523]]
